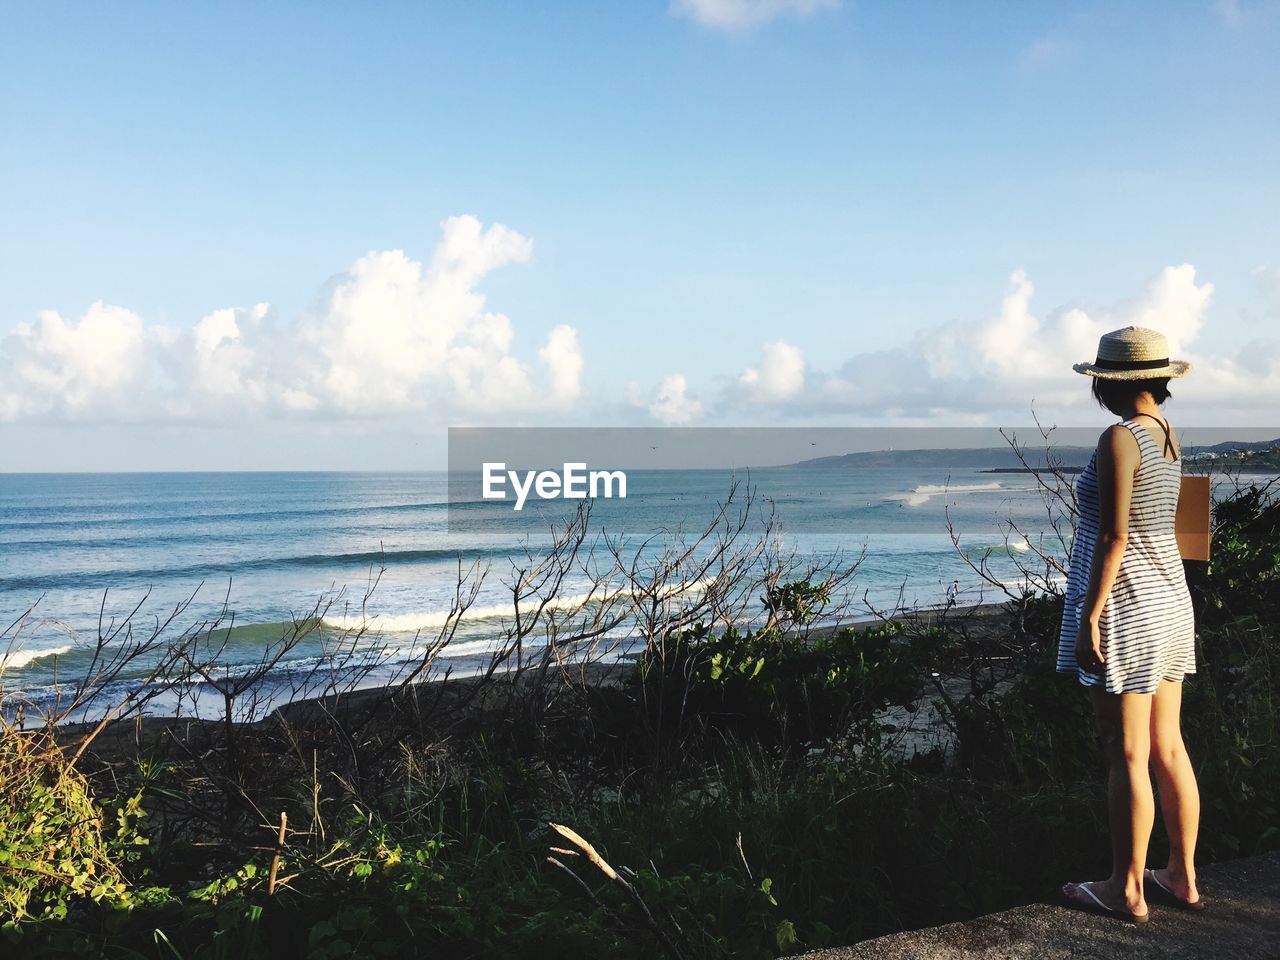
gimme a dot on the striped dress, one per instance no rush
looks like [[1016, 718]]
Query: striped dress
[[1147, 625]]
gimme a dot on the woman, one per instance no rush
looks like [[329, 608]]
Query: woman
[[1128, 630]]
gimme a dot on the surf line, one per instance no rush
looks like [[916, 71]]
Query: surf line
[[574, 482]]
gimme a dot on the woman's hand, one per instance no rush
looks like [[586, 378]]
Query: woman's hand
[[1089, 649]]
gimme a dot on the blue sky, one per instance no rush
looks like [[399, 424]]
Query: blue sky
[[765, 200]]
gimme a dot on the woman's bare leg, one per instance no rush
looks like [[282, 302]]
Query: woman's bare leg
[[1124, 726], [1179, 794]]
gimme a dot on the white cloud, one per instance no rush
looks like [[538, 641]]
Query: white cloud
[[224, 361], [1005, 342], [778, 376], [563, 359], [75, 367], [742, 14], [1175, 306], [999, 366], [1016, 356], [390, 335], [393, 335], [990, 369], [671, 404]]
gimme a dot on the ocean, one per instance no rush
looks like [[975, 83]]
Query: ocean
[[256, 553]]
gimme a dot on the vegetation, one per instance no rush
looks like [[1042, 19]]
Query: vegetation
[[728, 794]]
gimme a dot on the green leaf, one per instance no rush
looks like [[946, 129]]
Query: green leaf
[[766, 885], [785, 934]]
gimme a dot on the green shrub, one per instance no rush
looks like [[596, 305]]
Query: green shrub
[[56, 844], [785, 690], [739, 780]]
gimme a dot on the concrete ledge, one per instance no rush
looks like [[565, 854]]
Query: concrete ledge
[[1241, 921]]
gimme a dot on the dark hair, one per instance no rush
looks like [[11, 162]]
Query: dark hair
[[1117, 395]]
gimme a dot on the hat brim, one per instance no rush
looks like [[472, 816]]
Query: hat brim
[[1175, 368]]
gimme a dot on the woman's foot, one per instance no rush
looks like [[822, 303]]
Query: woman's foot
[[1101, 896], [1176, 885]]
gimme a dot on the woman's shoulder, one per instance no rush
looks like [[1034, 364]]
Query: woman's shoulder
[[1119, 434], [1119, 444]]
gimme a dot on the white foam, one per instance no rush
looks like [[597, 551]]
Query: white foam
[[15, 659], [435, 619], [927, 491], [465, 648]]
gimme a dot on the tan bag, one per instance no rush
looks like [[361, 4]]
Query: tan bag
[[1191, 526]]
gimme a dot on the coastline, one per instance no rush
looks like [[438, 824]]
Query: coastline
[[120, 739]]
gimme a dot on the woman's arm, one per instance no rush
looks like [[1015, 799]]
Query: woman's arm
[[1118, 459]]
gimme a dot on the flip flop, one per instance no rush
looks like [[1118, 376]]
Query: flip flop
[[1170, 895], [1099, 907]]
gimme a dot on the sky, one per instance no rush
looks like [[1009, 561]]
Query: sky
[[314, 236]]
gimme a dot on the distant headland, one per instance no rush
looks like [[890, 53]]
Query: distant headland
[[1235, 455]]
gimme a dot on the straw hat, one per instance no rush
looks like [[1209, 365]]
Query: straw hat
[[1133, 353]]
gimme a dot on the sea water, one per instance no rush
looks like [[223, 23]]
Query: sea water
[[373, 557]]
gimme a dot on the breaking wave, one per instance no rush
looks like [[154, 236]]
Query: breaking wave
[[16, 659], [927, 491], [434, 619]]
